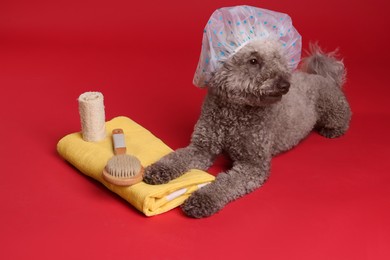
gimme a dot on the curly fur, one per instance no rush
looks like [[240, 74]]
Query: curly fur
[[256, 108]]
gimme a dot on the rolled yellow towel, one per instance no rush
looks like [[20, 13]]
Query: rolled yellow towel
[[91, 158]]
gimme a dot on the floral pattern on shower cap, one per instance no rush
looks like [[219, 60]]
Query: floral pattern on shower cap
[[231, 28]]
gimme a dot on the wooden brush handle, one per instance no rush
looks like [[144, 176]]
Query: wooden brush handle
[[119, 140]]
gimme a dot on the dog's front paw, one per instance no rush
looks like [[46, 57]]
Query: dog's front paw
[[157, 173], [201, 204]]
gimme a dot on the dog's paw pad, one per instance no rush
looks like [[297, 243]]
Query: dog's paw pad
[[201, 204]]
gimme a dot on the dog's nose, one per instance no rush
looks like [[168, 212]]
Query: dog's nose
[[284, 85]]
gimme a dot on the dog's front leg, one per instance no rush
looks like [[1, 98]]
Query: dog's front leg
[[176, 163], [243, 178]]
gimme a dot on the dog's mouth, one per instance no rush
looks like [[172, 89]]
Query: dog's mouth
[[275, 94], [278, 97], [270, 99], [270, 96], [264, 99]]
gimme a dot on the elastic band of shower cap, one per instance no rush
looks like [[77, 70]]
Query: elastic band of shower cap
[[231, 28]]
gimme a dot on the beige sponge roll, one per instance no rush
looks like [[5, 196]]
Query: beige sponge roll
[[92, 116]]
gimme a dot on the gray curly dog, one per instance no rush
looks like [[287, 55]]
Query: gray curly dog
[[256, 108]]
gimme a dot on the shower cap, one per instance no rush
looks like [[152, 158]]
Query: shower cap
[[231, 28]]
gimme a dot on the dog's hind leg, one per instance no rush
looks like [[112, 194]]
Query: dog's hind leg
[[333, 111]]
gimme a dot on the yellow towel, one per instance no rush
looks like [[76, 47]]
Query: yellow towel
[[90, 158]]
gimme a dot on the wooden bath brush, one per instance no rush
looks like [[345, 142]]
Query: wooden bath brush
[[122, 169]]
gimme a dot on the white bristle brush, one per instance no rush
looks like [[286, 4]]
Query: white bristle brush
[[122, 169]]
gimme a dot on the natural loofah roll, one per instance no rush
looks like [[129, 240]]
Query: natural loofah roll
[[92, 116]]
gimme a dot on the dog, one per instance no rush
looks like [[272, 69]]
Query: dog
[[256, 108]]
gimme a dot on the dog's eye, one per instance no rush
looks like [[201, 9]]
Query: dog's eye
[[253, 61]]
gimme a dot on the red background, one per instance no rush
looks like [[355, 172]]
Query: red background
[[326, 199]]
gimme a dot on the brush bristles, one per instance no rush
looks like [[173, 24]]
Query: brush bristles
[[123, 166]]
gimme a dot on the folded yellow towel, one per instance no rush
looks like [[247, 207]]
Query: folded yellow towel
[[90, 158]]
